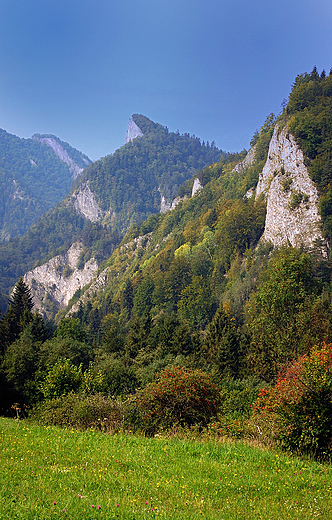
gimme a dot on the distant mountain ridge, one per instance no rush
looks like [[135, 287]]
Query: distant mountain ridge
[[145, 173], [35, 174], [75, 160]]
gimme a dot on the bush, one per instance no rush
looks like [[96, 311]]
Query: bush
[[62, 378], [81, 412], [177, 397], [300, 404]]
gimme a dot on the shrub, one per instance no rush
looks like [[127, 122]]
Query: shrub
[[296, 199], [300, 404], [62, 378], [80, 411], [177, 397], [286, 183]]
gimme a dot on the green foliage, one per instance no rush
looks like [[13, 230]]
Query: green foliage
[[261, 139], [62, 378], [59, 348], [221, 344], [128, 182], [301, 403], [132, 180], [70, 328], [286, 183], [164, 293], [286, 314], [80, 412], [238, 396], [118, 378], [177, 397], [54, 233], [20, 363], [296, 199], [18, 315]]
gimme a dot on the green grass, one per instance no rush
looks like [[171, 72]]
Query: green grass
[[46, 472]]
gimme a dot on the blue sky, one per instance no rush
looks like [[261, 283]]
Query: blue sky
[[79, 68]]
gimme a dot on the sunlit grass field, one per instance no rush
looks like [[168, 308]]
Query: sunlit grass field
[[47, 472]]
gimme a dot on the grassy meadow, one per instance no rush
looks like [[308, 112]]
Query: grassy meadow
[[48, 472]]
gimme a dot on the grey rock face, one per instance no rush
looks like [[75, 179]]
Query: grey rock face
[[133, 131], [165, 206], [197, 187], [247, 161], [85, 204], [96, 286], [62, 154], [58, 279], [292, 199]]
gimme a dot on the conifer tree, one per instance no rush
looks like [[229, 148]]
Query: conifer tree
[[18, 315], [221, 344]]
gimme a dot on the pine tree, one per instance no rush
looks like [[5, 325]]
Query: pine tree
[[221, 344], [18, 315]]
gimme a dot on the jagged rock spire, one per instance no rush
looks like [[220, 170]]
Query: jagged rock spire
[[133, 131]]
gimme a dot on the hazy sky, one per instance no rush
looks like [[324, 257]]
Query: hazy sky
[[215, 68]]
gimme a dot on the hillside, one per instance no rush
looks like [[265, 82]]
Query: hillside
[[35, 174], [140, 178], [216, 256], [217, 309]]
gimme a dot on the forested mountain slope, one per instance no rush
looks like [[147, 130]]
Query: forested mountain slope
[[204, 261], [143, 176], [213, 284], [110, 195], [35, 174]]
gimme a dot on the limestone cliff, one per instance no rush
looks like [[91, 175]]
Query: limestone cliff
[[197, 187], [165, 206], [133, 131], [56, 281], [247, 161], [86, 204], [292, 199], [63, 155]]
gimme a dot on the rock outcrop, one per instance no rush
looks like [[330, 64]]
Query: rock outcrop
[[62, 154], [292, 199], [166, 206], [197, 187], [55, 282], [86, 204], [247, 161], [133, 131]]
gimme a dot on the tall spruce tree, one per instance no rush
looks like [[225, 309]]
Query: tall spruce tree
[[221, 344], [18, 315]]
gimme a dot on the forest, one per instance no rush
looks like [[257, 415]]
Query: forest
[[195, 301], [32, 180]]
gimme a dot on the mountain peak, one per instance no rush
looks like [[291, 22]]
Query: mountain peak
[[133, 131]]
